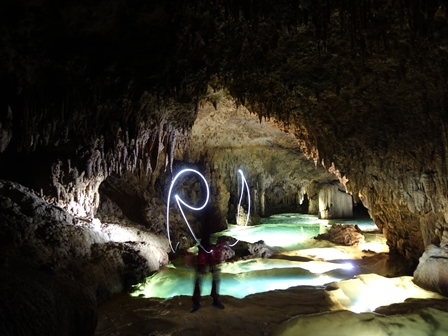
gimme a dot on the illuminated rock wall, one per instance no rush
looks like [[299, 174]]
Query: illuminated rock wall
[[45, 234], [57, 268], [279, 176], [334, 203]]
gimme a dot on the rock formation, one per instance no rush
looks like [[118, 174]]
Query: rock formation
[[343, 235], [431, 272]]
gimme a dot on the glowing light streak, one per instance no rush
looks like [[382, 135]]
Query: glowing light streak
[[179, 201], [243, 184]]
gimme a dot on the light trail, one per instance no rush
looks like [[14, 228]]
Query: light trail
[[243, 184], [180, 201]]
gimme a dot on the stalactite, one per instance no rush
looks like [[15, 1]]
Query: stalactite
[[171, 148], [154, 151]]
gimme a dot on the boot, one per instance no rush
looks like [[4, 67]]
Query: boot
[[196, 306], [217, 304]]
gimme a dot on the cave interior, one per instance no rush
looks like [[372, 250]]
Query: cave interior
[[336, 109]]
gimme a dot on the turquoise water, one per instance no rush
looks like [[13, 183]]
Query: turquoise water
[[285, 232], [291, 231], [282, 236], [364, 223]]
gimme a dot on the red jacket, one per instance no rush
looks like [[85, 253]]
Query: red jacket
[[213, 256]]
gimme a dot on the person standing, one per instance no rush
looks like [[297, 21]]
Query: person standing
[[210, 256]]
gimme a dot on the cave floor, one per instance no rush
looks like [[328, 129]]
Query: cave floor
[[259, 313], [256, 314]]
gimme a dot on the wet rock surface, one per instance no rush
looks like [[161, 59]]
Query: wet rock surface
[[343, 234]]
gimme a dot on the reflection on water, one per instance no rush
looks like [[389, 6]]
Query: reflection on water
[[289, 234], [289, 231]]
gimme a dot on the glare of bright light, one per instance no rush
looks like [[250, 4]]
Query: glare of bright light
[[259, 264], [328, 253], [118, 233], [347, 266], [180, 201], [370, 291], [375, 243]]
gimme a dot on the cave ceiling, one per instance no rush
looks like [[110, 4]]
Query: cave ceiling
[[229, 138], [93, 88]]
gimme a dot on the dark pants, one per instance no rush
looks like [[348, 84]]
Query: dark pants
[[200, 272]]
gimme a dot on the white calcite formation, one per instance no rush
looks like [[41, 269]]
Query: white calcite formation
[[432, 270], [367, 292], [342, 323]]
